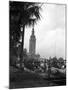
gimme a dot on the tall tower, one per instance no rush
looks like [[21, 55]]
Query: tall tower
[[32, 44]]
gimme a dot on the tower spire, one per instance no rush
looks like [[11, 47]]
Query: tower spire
[[33, 31], [32, 44]]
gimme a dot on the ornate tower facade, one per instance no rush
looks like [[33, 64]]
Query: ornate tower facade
[[32, 44]]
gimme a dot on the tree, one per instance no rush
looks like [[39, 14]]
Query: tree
[[21, 14], [60, 62]]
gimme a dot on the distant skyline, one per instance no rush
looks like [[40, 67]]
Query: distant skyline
[[49, 32]]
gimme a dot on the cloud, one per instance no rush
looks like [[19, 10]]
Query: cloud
[[53, 16]]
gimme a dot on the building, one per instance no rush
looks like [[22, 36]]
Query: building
[[32, 44]]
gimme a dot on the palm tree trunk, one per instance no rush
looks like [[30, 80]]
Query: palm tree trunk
[[22, 47]]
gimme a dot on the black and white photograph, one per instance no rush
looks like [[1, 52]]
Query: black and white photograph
[[37, 44]]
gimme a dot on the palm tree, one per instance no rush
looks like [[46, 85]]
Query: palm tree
[[23, 12]]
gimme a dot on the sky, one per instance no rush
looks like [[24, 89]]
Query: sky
[[49, 32]]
